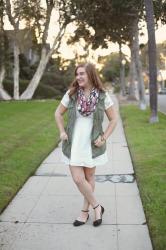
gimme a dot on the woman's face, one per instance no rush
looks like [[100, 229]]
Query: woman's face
[[82, 77]]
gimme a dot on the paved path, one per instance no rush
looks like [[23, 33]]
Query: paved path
[[41, 214]]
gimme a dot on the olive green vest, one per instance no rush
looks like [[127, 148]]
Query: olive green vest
[[97, 129]]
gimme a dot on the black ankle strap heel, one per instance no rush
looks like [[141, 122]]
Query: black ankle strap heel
[[77, 223], [99, 221], [96, 206]]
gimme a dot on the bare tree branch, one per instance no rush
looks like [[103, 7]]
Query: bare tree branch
[[50, 6]]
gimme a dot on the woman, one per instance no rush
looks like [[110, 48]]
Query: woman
[[83, 140]]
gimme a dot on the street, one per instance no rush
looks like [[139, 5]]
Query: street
[[161, 102]]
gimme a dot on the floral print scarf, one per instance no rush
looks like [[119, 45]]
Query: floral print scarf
[[87, 106]]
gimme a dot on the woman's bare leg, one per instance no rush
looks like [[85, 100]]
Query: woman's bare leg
[[90, 177], [85, 188]]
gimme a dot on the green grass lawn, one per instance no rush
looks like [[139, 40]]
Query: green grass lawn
[[28, 133], [147, 143]]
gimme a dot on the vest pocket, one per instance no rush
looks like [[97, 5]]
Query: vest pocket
[[96, 151], [66, 148]]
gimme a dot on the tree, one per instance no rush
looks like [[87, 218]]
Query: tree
[[152, 60], [32, 12], [122, 71], [45, 56], [136, 64], [117, 27], [111, 68], [14, 20], [3, 52]]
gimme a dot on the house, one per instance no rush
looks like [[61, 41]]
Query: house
[[161, 77]]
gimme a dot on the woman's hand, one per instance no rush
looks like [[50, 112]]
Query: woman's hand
[[63, 136], [99, 141]]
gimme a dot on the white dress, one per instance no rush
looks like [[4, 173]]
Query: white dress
[[81, 153]]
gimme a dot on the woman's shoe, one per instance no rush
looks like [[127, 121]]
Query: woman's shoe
[[77, 223], [96, 223]]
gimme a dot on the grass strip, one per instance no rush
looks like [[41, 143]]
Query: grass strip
[[28, 133], [147, 143]]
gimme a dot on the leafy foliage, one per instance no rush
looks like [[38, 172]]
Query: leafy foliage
[[55, 80], [111, 69], [111, 20]]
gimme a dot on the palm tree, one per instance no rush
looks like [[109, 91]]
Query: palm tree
[[152, 60]]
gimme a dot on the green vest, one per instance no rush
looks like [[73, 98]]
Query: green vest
[[97, 129]]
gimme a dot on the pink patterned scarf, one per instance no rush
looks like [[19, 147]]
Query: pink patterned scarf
[[87, 106]]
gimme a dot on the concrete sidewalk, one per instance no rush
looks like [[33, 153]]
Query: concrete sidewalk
[[40, 216]]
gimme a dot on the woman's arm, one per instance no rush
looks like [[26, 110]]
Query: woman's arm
[[61, 109], [113, 118]]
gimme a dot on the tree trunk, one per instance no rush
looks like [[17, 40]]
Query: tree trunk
[[16, 71], [15, 23], [28, 93], [122, 72], [2, 75], [3, 94], [45, 56], [152, 60], [132, 77], [138, 66]]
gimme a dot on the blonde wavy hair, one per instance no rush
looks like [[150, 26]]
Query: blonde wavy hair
[[92, 76]]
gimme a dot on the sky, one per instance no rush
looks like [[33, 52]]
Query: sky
[[68, 51]]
